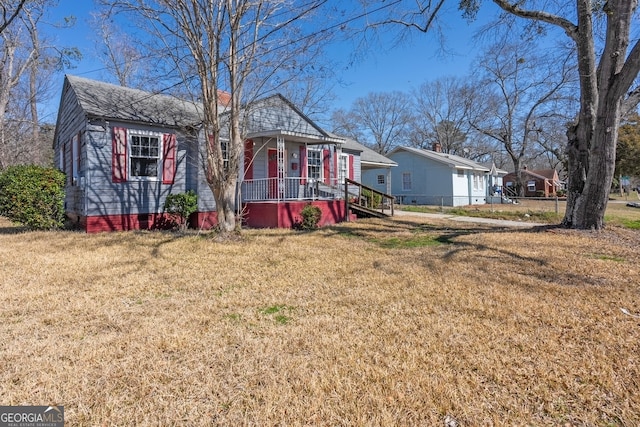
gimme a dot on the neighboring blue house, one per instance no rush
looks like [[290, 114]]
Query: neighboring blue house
[[430, 177], [124, 150]]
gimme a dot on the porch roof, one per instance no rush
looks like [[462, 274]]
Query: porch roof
[[297, 137]]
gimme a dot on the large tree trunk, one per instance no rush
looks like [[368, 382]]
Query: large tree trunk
[[591, 171], [225, 196]]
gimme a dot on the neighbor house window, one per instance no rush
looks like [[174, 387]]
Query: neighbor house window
[[314, 164], [406, 181], [381, 179], [144, 156], [531, 186]]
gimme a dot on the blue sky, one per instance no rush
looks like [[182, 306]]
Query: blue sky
[[386, 67]]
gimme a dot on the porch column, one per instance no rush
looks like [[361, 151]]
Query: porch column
[[281, 166]]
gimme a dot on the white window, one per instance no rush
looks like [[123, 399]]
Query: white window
[[380, 179], [460, 173], [224, 146], [314, 164], [531, 186], [75, 158], [343, 167], [144, 155], [406, 181], [477, 181]]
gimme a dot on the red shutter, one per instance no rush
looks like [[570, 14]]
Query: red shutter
[[326, 163], [303, 164], [168, 158], [351, 172], [248, 159], [119, 155]]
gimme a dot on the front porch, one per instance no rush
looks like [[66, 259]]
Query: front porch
[[278, 202]]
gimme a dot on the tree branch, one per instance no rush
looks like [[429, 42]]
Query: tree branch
[[13, 16], [538, 15]]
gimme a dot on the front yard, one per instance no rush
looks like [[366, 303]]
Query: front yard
[[375, 322]]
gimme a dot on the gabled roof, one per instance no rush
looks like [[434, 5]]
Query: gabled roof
[[109, 101], [368, 157], [448, 159], [549, 174], [493, 170], [277, 116]]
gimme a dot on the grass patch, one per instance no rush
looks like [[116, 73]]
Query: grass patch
[[408, 242], [499, 327]]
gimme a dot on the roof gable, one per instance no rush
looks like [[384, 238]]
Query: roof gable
[[277, 115]]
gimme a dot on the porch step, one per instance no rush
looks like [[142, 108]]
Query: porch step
[[362, 212]]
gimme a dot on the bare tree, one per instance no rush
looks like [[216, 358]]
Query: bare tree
[[380, 120], [520, 90], [606, 75], [10, 11], [443, 110], [28, 61], [241, 46]]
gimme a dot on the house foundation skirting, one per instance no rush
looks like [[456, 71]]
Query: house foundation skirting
[[283, 214], [286, 214]]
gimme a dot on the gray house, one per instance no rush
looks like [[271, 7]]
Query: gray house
[[124, 150], [375, 168], [430, 177]]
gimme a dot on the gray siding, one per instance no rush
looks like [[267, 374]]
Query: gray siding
[[134, 196], [71, 121], [275, 114]]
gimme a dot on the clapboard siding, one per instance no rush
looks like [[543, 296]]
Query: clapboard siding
[[71, 122], [276, 113], [105, 197]]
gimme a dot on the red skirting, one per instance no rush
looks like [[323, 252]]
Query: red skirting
[[287, 214], [257, 215]]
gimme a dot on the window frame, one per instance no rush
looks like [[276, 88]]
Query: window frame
[[135, 133], [319, 165], [406, 187], [531, 186], [381, 179]]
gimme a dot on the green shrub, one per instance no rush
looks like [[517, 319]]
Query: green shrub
[[33, 196], [373, 199], [310, 217], [182, 205]]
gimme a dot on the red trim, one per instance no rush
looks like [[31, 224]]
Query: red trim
[[303, 164], [326, 162], [151, 221], [351, 167], [168, 158], [119, 155], [248, 159]]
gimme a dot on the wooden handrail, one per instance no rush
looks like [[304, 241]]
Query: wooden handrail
[[360, 198]]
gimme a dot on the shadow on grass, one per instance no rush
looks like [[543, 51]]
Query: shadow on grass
[[452, 244]]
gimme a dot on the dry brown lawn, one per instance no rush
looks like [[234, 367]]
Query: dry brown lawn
[[373, 323]]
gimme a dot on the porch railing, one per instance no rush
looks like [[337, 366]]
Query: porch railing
[[276, 189]]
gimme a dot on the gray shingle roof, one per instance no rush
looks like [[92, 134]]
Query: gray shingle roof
[[109, 101], [368, 156], [448, 159]]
